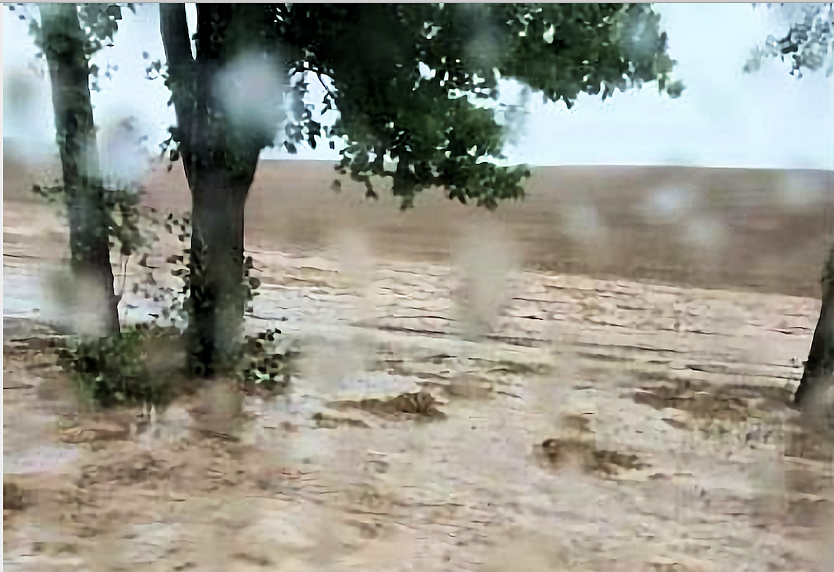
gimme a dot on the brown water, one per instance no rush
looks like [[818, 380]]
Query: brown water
[[471, 490], [669, 444]]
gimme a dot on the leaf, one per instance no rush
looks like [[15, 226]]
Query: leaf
[[114, 11]]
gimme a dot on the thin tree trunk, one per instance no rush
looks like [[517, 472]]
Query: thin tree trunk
[[63, 45], [819, 368]]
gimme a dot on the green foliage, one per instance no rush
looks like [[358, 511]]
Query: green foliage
[[416, 85], [99, 24], [124, 217], [115, 370], [263, 364], [112, 370], [808, 43], [259, 362], [175, 300]]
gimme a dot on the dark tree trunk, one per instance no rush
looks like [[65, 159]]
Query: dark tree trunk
[[217, 302], [219, 165], [820, 365], [63, 46]]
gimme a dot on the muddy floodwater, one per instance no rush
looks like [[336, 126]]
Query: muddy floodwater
[[469, 415]]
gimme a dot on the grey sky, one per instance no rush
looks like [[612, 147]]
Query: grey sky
[[725, 118]]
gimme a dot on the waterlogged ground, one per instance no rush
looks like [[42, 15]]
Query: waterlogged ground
[[597, 426], [474, 418]]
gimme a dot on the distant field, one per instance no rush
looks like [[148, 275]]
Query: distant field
[[716, 228]]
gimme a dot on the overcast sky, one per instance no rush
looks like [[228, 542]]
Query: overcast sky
[[725, 118]]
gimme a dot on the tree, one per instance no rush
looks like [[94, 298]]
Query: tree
[[415, 88], [68, 48], [809, 43]]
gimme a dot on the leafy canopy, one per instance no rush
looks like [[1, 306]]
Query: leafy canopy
[[416, 85], [411, 81], [808, 43], [99, 24]]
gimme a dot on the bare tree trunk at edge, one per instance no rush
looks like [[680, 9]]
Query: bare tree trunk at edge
[[819, 369]]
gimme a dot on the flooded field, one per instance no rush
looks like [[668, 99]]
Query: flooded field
[[472, 413]]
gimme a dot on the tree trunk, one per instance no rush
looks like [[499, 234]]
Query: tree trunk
[[820, 365], [63, 45], [217, 298], [219, 162]]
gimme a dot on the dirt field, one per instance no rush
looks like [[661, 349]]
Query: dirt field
[[462, 402], [764, 231]]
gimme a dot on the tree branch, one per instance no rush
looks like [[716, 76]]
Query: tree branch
[[174, 27], [328, 93], [183, 82], [177, 43]]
